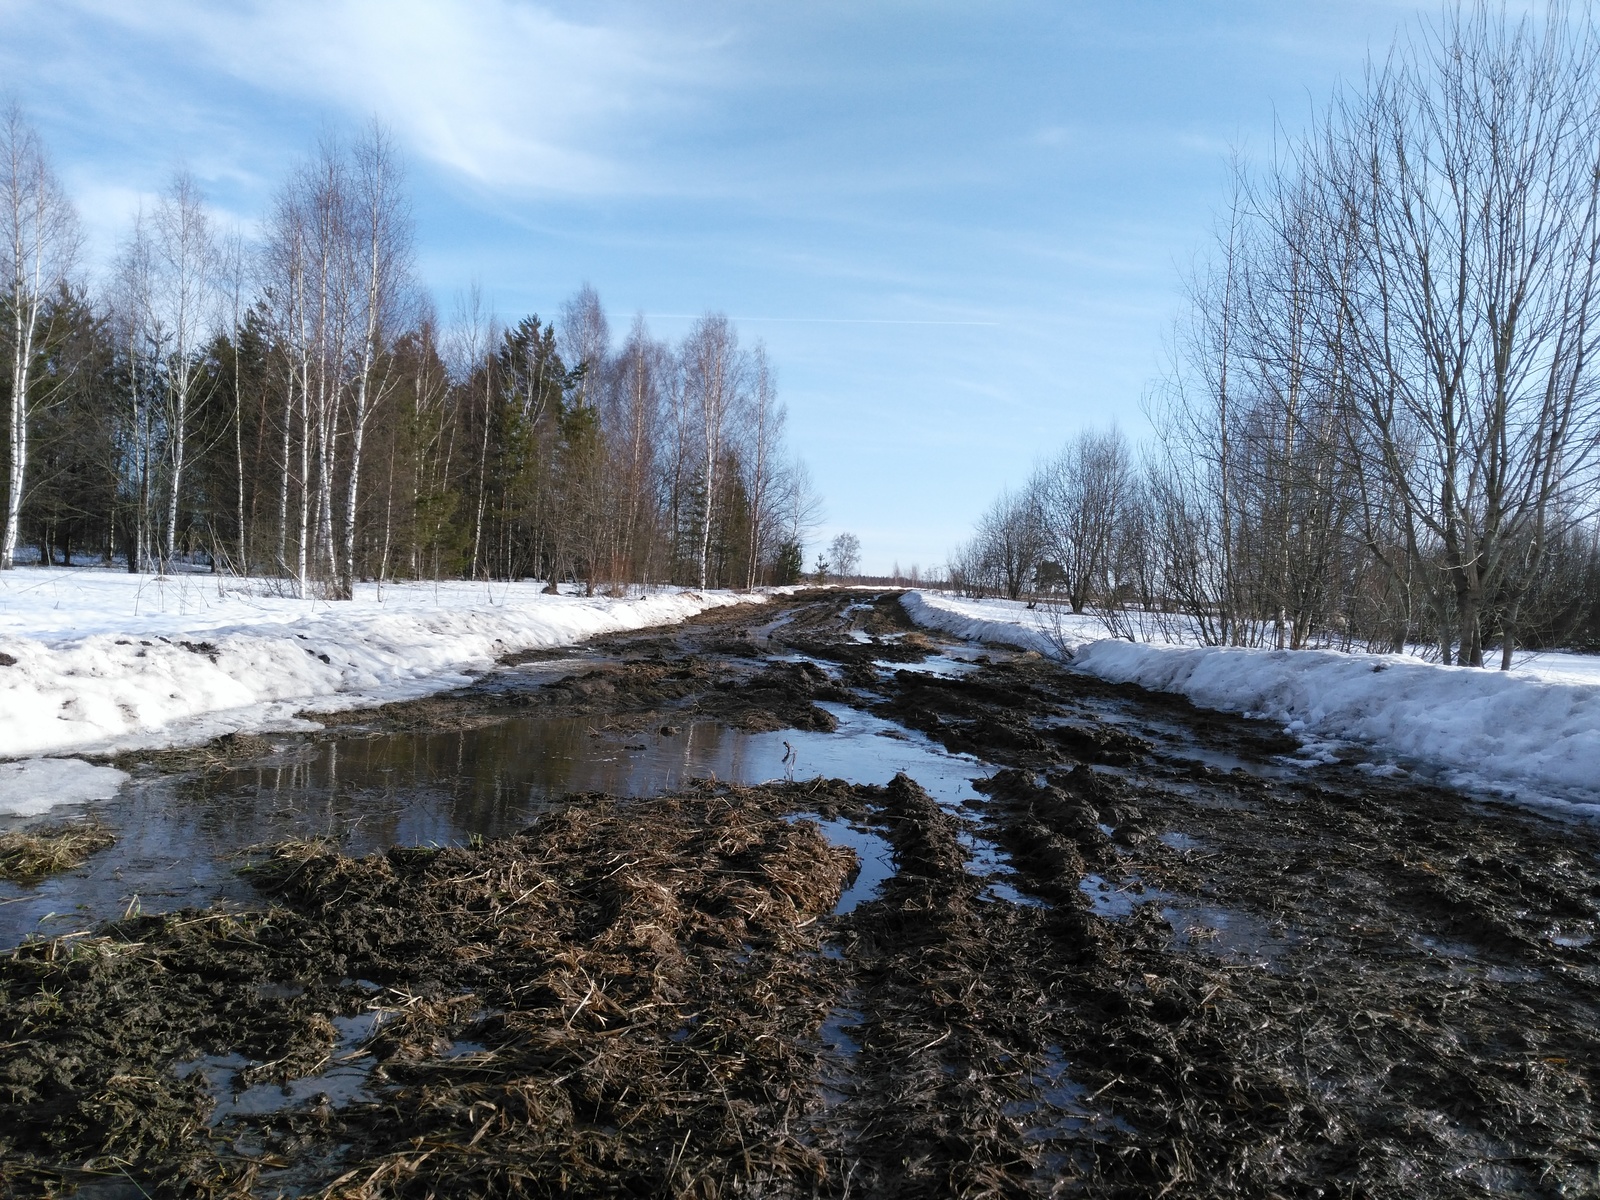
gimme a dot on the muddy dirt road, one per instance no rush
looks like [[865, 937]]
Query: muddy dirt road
[[801, 901]]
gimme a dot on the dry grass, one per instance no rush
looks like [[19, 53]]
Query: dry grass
[[49, 850]]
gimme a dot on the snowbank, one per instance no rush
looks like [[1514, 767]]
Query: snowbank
[[1002, 622], [1533, 733], [96, 660]]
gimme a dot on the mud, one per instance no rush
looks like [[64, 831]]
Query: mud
[[1142, 952]]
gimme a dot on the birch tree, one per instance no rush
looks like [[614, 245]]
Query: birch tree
[[381, 229], [766, 420], [634, 423], [233, 275], [714, 380], [144, 342], [184, 292], [39, 243]]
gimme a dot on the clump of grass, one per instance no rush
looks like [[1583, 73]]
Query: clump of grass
[[49, 850]]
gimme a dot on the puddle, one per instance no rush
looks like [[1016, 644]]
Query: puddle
[[944, 668], [873, 853], [566, 665], [1227, 932], [987, 860], [1177, 743], [761, 635], [1114, 900], [840, 1050], [1441, 948], [1062, 1109], [177, 846], [341, 1082], [831, 669], [1180, 842]]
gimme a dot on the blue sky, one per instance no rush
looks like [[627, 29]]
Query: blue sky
[[960, 229]]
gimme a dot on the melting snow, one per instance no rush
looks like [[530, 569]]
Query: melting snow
[[1531, 734], [99, 660]]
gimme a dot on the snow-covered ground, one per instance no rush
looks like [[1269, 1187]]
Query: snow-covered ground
[[1532, 734], [1003, 622], [94, 660]]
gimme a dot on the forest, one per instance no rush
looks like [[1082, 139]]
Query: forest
[[1381, 419], [290, 405]]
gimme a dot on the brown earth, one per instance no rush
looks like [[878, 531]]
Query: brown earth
[[1218, 974]]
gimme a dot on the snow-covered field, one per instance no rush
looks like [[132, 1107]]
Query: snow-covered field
[[95, 660], [1532, 734]]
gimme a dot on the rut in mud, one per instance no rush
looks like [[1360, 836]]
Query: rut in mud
[[1141, 953]]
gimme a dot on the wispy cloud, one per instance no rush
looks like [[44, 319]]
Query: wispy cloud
[[510, 95]]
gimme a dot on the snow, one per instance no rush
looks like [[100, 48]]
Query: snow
[[1532, 734], [1002, 622], [37, 785], [103, 660]]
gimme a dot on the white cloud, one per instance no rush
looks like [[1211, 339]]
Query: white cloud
[[510, 95]]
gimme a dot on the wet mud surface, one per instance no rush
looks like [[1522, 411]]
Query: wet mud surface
[[800, 901]]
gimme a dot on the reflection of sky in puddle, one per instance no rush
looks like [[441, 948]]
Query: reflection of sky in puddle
[[175, 839], [1213, 928], [762, 634], [1115, 900], [1228, 932], [873, 854], [840, 1050], [944, 668], [1061, 1108], [342, 1080]]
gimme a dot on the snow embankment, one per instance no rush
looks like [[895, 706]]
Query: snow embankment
[[1002, 622], [99, 660], [1532, 734]]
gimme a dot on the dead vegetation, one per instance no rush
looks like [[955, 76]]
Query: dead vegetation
[[27, 855], [638, 980], [220, 753], [1209, 982]]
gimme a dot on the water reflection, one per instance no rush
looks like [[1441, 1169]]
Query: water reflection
[[179, 841]]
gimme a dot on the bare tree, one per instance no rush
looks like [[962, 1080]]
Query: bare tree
[[802, 503], [1081, 494], [1006, 549], [381, 230], [635, 416], [471, 351], [184, 295], [766, 419], [234, 263], [714, 381], [586, 342], [1467, 173], [285, 267], [844, 554], [145, 346], [39, 243]]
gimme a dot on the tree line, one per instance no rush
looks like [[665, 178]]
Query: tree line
[[1382, 418], [293, 407]]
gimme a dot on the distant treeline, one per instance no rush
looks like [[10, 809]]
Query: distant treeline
[[295, 408], [1383, 419]]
